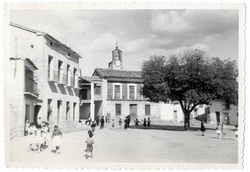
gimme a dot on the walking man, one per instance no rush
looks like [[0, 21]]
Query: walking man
[[102, 123]]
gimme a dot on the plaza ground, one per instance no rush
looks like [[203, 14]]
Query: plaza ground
[[137, 145]]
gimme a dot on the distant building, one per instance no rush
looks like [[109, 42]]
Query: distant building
[[116, 93], [56, 77], [22, 94], [218, 112]]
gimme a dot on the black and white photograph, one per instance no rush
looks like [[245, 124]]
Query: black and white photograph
[[124, 85]]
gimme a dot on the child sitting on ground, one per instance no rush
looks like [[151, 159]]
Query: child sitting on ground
[[90, 142]]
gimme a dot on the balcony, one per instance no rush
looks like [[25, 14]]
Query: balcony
[[75, 83], [62, 79], [31, 90], [53, 76], [69, 82]]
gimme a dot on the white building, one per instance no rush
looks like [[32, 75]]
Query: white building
[[23, 93], [57, 77]]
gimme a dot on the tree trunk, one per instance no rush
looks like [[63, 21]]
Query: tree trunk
[[186, 121]]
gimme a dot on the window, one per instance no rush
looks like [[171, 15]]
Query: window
[[74, 111], [50, 109], [131, 91], [68, 75], [67, 111], [147, 109], [51, 43], [118, 109], [49, 66], [74, 78], [60, 70], [98, 90], [117, 91]]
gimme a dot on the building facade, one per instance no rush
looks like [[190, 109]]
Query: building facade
[[23, 93], [116, 93], [57, 77]]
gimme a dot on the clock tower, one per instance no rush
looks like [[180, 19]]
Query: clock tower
[[116, 63]]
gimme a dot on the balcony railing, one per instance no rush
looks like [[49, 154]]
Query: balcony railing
[[62, 79], [54, 76], [31, 90]]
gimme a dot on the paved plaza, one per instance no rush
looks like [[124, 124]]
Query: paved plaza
[[136, 145]]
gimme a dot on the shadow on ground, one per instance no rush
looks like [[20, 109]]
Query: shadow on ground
[[167, 127]]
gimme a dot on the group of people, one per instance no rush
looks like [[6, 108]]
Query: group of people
[[38, 135], [96, 122], [220, 129], [146, 122]]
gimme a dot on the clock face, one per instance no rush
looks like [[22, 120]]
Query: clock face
[[117, 63]]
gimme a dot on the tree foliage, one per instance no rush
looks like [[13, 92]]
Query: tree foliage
[[191, 78]]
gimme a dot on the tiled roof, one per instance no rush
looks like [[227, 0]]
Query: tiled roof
[[92, 78], [109, 73]]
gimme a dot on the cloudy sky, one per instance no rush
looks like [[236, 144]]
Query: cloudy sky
[[139, 33]]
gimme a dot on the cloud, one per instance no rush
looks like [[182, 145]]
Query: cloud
[[188, 21], [132, 46], [170, 21], [180, 50]]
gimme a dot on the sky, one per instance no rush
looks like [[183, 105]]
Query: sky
[[139, 33]]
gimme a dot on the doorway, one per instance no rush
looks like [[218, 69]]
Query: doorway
[[175, 116], [133, 111], [36, 112], [59, 104]]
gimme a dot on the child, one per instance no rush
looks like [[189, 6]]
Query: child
[[39, 138], [45, 132], [93, 125], [113, 123], [120, 123], [218, 131], [236, 132], [125, 123], [149, 121], [57, 141], [27, 125], [145, 122], [203, 129], [137, 122], [31, 136], [90, 142], [224, 130]]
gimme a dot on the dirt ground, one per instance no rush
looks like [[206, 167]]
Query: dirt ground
[[136, 145]]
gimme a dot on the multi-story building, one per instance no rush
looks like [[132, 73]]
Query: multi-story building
[[119, 93], [56, 77], [22, 94]]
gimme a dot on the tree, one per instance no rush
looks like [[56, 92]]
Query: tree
[[191, 78]]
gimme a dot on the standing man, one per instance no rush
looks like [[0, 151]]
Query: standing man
[[97, 120], [126, 123], [102, 123], [149, 121], [129, 118]]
